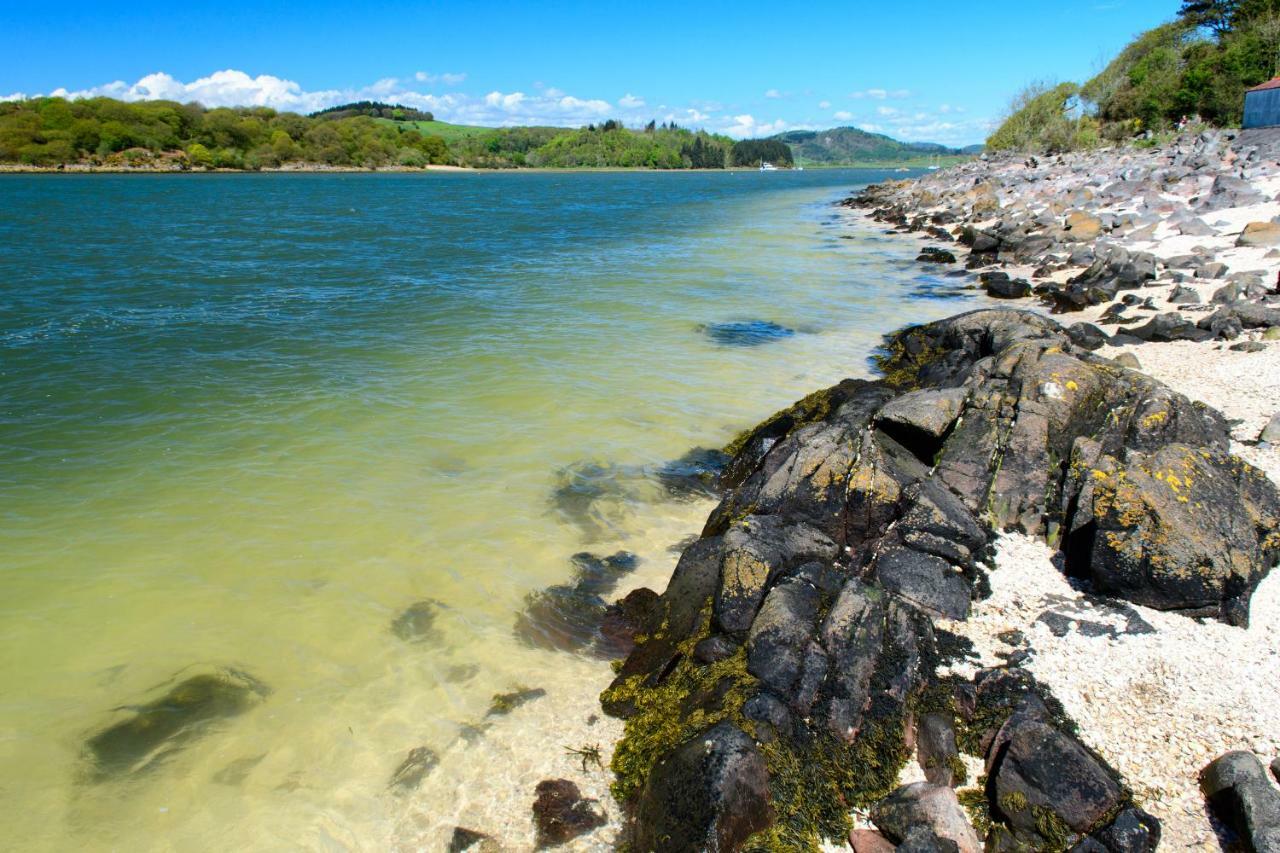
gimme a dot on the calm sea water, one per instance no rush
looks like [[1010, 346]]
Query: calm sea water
[[247, 420]]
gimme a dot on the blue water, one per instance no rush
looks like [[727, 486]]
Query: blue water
[[247, 419]]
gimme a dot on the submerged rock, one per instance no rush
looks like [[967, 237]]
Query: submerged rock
[[504, 703], [569, 617], [561, 814], [464, 839], [156, 730], [417, 623], [417, 764], [746, 333]]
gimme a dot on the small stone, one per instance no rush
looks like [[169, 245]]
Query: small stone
[[1129, 360], [870, 841], [1272, 334]]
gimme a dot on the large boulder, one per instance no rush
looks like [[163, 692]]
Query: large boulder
[[1242, 797], [802, 619], [711, 793], [933, 807]]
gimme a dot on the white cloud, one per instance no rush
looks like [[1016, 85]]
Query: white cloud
[[15, 96], [881, 94], [446, 78], [842, 115], [773, 93], [824, 105], [886, 111], [746, 125], [630, 101]]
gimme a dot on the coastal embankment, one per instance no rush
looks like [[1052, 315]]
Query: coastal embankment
[[1016, 593]]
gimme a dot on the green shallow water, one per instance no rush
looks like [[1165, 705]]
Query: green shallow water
[[247, 420]]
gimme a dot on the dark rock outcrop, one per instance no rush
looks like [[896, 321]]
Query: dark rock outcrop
[[711, 793], [932, 807], [417, 622], [417, 764], [803, 618]]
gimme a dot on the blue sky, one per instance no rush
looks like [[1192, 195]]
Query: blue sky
[[930, 71]]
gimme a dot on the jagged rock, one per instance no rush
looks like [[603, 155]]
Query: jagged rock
[[921, 839], [636, 613], [1239, 793], [711, 793], [934, 255], [156, 730], [1082, 227], [696, 474], [1211, 270], [561, 814], [1044, 783], [934, 807], [926, 415], [1086, 335], [1007, 288], [855, 517], [936, 750], [1195, 227], [1229, 191], [1170, 327], [1181, 295], [1259, 234], [1133, 831]]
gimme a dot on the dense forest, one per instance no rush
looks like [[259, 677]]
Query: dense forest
[[375, 109], [1193, 69], [50, 132], [103, 131], [751, 152]]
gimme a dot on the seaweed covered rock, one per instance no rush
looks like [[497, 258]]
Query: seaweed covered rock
[[933, 807], [803, 619], [157, 729], [712, 793]]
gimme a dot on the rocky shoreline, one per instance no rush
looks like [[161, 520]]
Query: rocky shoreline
[[957, 563]]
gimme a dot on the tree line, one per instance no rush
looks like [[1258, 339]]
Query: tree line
[[1196, 68], [49, 132]]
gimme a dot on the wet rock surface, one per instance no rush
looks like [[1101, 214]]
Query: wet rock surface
[[156, 730], [560, 813], [573, 617], [417, 764], [804, 618], [417, 623]]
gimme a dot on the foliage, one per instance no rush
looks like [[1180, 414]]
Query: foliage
[[375, 109], [1194, 68], [1039, 120], [53, 131], [750, 152]]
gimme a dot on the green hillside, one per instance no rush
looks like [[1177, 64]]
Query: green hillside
[[849, 146]]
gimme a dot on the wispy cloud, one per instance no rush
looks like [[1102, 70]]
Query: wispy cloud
[[824, 105], [630, 101], [747, 126], [842, 115], [881, 94], [447, 79], [774, 94]]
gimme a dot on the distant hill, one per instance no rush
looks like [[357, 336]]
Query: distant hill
[[374, 109], [846, 146]]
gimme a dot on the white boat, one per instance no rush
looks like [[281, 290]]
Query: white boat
[[936, 164], [767, 167]]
